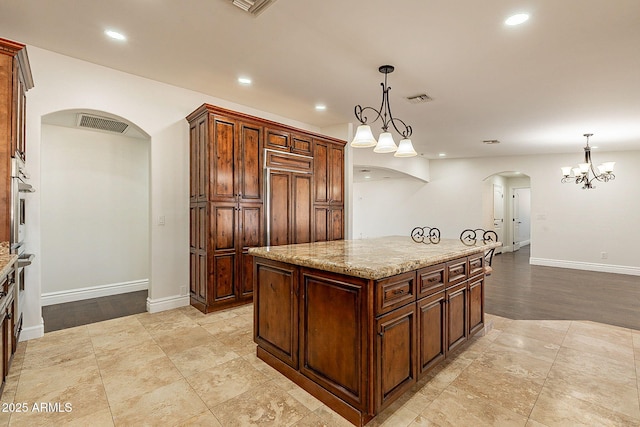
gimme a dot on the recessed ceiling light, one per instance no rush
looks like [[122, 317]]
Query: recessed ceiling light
[[115, 35], [321, 107], [517, 19], [442, 154], [244, 81]]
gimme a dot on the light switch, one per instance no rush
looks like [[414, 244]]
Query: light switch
[[161, 220]]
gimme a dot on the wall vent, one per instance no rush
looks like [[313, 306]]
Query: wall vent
[[101, 123], [254, 7], [418, 99]]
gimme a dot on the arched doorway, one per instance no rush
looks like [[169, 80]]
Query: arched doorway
[[507, 208], [94, 217]]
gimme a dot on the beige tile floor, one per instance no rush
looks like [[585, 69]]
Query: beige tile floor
[[180, 367]]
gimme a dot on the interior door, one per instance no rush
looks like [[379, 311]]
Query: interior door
[[498, 213], [521, 217]]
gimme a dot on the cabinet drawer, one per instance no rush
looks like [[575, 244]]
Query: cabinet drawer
[[288, 161], [300, 144], [456, 271], [431, 280], [394, 292], [476, 264]]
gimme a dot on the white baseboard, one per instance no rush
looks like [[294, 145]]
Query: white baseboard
[[589, 266], [167, 303], [59, 297], [32, 332]]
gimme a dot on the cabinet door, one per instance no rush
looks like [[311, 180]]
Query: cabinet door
[[321, 171], [198, 160], [276, 330], [222, 279], [198, 252], [395, 354], [476, 305], [320, 224], [333, 348], [301, 144], [457, 315], [301, 208], [431, 331], [249, 163], [279, 208], [222, 186], [250, 231], [277, 139], [336, 174], [336, 224]]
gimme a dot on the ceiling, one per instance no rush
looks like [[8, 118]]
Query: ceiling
[[573, 68]]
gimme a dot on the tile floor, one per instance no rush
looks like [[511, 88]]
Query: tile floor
[[181, 368]]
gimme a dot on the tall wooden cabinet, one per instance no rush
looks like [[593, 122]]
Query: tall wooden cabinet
[[15, 81], [254, 182]]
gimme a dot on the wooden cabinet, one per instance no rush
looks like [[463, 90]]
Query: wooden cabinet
[[15, 81], [359, 344], [277, 330], [226, 207], [8, 324], [396, 354], [251, 184], [328, 178]]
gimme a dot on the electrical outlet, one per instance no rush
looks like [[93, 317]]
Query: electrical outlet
[[161, 220], [604, 255], [183, 290]]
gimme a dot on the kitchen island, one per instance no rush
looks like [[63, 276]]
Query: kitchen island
[[357, 322]]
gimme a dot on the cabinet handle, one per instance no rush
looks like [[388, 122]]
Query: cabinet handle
[[398, 291]]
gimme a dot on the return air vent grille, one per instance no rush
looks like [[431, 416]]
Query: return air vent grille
[[419, 99], [254, 7], [101, 123]]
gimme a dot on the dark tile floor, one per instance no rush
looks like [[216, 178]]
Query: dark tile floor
[[71, 314]]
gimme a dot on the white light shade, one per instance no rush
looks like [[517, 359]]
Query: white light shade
[[608, 166], [584, 167], [405, 149], [576, 171], [364, 138], [601, 169], [386, 144], [566, 170]]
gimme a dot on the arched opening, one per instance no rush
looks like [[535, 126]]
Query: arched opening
[[506, 205], [95, 170]]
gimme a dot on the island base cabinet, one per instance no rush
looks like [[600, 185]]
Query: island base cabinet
[[457, 311], [476, 305], [333, 335], [276, 310], [432, 332], [395, 354]]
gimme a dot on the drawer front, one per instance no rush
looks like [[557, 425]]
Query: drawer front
[[394, 292], [476, 264], [456, 271], [431, 280]]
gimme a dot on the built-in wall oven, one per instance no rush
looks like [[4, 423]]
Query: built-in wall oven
[[19, 189]]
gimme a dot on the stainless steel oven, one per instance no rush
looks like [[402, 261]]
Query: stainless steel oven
[[19, 189]]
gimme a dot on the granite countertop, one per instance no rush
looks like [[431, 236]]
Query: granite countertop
[[6, 259], [370, 258]]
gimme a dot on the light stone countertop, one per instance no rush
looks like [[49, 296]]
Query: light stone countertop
[[6, 259], [370, 258]]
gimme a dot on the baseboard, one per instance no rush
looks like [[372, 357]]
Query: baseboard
[[589, 266], [168, 303], [71, 295], [32, 332]]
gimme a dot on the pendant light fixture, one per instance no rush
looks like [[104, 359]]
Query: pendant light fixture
[[385, 144], [582, 173]]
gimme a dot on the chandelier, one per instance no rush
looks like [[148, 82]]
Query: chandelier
[[583, 173], [385, 143]]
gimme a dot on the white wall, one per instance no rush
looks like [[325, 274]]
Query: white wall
[[95, 202], [64, 83], [570, 227]]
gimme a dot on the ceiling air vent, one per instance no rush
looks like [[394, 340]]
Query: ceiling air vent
[[254, 7], [419, 99], [101, 123]]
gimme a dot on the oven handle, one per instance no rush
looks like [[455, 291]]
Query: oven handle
[[25, 188], [25, 259]]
